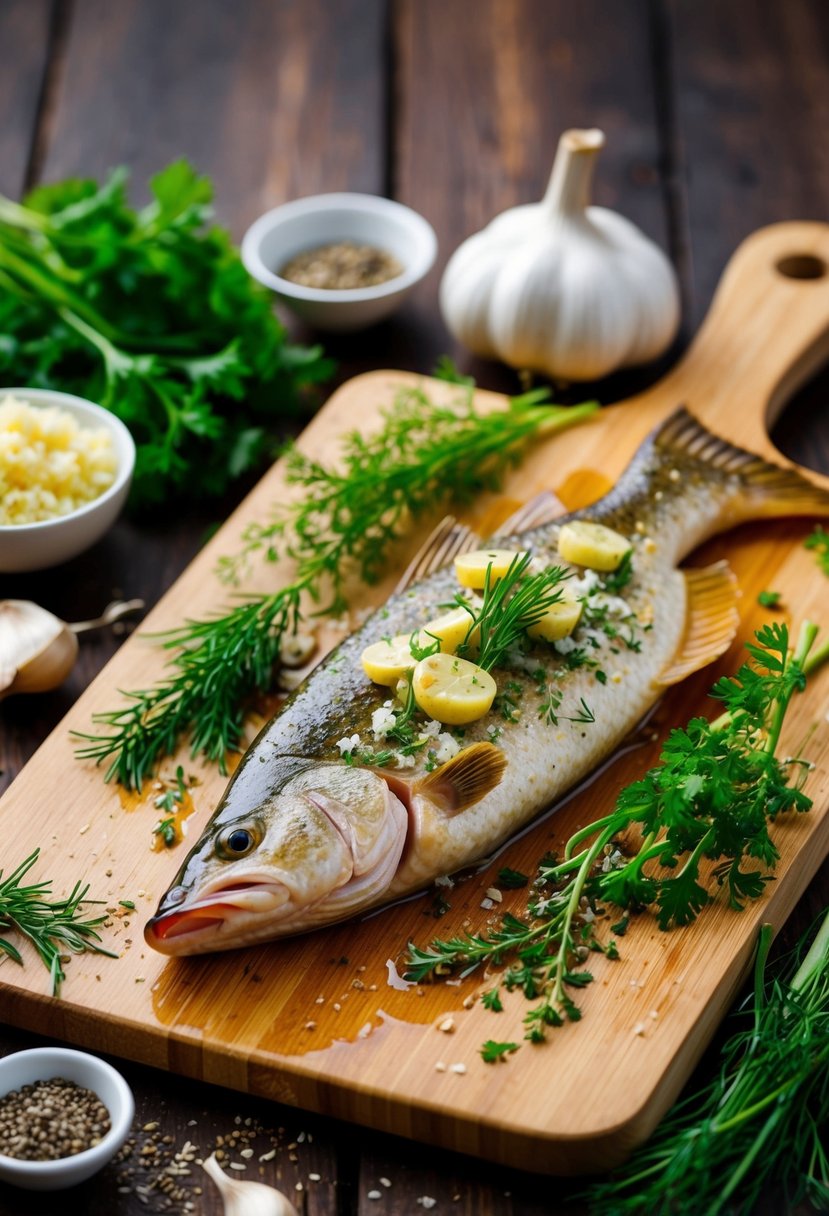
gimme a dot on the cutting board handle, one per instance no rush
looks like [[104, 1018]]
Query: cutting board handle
[[766, 333]]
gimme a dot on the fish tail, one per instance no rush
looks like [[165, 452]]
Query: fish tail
[[759, 488]]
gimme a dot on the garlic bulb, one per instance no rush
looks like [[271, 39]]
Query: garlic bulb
[[562, 287], [247, 1198], [37, 651]]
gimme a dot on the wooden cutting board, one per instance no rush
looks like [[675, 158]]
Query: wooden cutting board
[[313, 1021]]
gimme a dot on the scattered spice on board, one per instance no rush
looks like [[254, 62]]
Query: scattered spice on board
[[341, 266], [51, 1119]]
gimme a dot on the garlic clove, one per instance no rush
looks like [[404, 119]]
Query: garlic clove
[[247, 1198], [37, 650]]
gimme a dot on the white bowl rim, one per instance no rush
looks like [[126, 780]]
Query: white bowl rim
[[341, 201], [125, 466], [120, 1120]]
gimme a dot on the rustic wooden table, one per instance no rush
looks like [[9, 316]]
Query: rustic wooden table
[[714, 113]]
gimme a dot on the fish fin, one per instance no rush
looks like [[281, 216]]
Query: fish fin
[[710, 624], [465, 779], [765, 489], [448, 539], [544, 508]]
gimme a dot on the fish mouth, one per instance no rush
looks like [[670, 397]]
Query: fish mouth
[[192, 928]]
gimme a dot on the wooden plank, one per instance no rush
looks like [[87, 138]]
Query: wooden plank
[[750, 101], [481, 102], [206, 1017], [272, 100], [24, 37]]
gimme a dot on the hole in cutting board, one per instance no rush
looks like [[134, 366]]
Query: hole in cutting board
[[801, 266], [801, 430]]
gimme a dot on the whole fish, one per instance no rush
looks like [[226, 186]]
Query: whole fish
[[315, 826]]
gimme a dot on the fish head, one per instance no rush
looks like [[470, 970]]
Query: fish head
[[308, 853]]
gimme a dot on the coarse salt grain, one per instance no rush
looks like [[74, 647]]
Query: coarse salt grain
[[374, 1195], [460, 1069]]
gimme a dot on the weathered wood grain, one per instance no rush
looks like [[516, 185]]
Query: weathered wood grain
[[24, 40]]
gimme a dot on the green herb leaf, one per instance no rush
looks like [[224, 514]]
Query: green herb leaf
[[769, 599], [492, 1051]]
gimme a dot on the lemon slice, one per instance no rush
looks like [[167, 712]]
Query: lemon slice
[[592, 545], [451, 628], [387, 661], [558, 621], [452, 690], [471, 567]]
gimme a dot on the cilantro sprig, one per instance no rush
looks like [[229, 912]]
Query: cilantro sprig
[[717, 788], [152, 314]]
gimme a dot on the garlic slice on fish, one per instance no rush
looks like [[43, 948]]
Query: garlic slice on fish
[[37, 650], [247, 1198]]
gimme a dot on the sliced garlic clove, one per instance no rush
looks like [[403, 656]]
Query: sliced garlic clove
[[37, 650], [247, 1198]]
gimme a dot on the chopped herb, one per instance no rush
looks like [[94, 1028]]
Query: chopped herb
[[492, 1051], [601, 676], [511, 880], [769, 599], [127, 903], [619, 578], [166, 829]]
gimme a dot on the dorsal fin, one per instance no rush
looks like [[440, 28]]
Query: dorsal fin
[[465, 779], [447, 540], [711, 621], [544, 508]]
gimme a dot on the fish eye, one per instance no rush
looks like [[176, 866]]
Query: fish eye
[[237, 842]]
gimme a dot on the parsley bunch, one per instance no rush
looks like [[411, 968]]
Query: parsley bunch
[[151, 314], [712, 796]]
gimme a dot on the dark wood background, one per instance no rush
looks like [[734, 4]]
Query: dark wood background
[[716, 114]]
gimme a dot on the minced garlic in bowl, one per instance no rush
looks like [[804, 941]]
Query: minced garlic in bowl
[[50, 465]]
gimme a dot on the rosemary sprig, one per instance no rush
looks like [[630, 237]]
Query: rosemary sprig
[[759, 1123], [53, 926], [716, 789], [347, 520]]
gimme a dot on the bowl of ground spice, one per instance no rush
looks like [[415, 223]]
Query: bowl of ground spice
[[65, 471], [340, 261], [63, 1115]]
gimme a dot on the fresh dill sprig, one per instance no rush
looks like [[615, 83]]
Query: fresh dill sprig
[[717, 787], [759, 1124], [347, 520], [508, 607], [53, 926]]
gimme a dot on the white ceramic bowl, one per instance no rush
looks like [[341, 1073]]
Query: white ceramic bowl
[[37, 546], [42, 1064], [322, 219]]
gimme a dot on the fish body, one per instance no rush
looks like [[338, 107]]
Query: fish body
[[306, 836]]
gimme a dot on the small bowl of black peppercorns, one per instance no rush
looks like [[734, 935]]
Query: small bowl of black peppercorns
[[63, 1115]]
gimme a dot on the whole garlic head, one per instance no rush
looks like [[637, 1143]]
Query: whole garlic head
[[562, 287]]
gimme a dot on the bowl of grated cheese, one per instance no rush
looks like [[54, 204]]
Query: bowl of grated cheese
[[65, 472]]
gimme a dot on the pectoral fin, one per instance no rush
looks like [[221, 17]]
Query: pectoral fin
[[711, 622], [465, 779]]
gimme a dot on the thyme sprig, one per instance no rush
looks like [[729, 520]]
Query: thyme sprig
[[759, 1123], [53, 926], [717, 787], [347, 520]]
